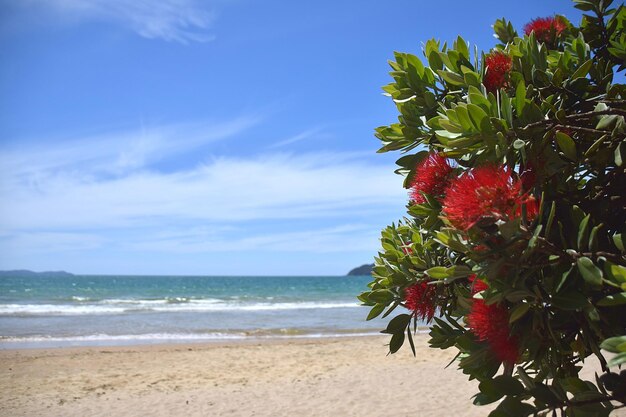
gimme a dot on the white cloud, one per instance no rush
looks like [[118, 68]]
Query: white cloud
[[104, 193], [278, 186], [343, 238], [297, 138], [114, 153], [170, 20], [51, 242]]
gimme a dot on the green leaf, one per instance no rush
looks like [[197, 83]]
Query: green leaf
[[508, 385], [489, 393], [518, 312], [484, 399], [513, 407], [613, 300], [564, 276], [593, 237], [607, 122], [391, 309], [410, 337], [398, 324], [451, 77], [550, 219], [620, 153], [375, 311], [544, 394], [614, 344], [461, 46], [437, 272], [582, 70], [381, 296], [619, 241], [459, 271], [589, 271], [507, 110], [583, 5], [617, 272], [477, 114], [571, 300], [432, 51], [567, 145], [520, 97], [471, 78], [574, 385], [596, 145], [583, 233], [397, 340], [509, 228], [504, 30], [464, 118]]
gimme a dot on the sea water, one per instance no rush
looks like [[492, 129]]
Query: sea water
[[116, 310]]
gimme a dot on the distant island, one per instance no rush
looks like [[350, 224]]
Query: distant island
[[362, 270], [23, 273]]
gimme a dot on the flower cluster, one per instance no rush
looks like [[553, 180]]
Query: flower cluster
[[490, 323], [477, 284], [420, 298], [486, 193], [497, 68], [546, 29], [431, 177]]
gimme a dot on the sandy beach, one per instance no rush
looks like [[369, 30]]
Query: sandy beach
[[306, 377]]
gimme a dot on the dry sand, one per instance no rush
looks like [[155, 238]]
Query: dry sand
[[322, 377]]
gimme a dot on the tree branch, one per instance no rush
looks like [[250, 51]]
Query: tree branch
[[575, 117]]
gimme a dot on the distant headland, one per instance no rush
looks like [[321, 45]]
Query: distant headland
[[24, 273], [362, 270]]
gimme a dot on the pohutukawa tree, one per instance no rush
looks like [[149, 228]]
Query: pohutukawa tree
[[513, 249]]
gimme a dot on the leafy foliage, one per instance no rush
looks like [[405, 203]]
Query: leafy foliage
[[534, 134]]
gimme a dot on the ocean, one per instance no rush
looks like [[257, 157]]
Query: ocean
[[91, 310]]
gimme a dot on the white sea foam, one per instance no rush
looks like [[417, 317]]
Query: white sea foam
[[121, 306], [106, 339], [123, 338]]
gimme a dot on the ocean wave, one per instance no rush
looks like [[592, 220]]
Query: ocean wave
[[107, 339], [124, 337], [122, 306]]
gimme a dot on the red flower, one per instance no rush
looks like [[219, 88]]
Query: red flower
[[420, 298], [532, 208], [431, 177], [477, 285], [546, 28], [529, 178], [485, 193], [497, 67], [490, 323]]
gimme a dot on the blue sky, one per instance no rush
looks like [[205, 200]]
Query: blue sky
[[208, 137]]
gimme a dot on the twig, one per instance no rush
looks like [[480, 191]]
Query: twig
[[582, 129], [574, 117]]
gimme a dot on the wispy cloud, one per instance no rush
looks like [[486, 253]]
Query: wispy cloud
[[170, 20], [350, 237], [279, 186], [297, 138], [108, 192], [116, 152]]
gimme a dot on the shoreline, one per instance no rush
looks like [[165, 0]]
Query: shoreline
[[132, 342], [103, 340]]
